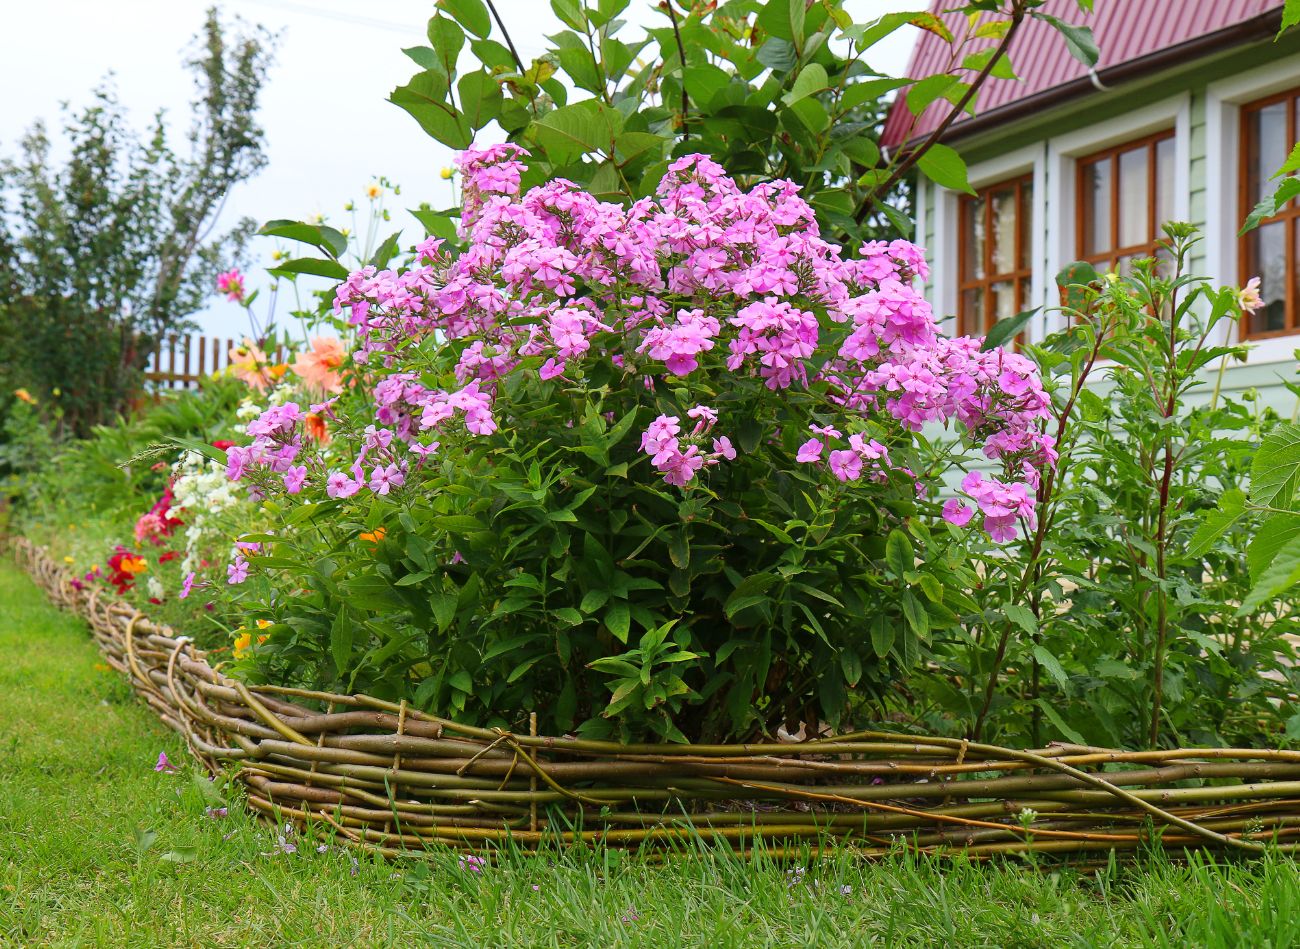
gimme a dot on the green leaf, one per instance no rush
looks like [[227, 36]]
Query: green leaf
[[570, 132], [571, 14], [594, 600], [917, 617], [749, 592], [444, 610], [471, 14], [316, 266], [435, 224], [978, 60], [882, 636], [569, 615], [1274, 534], [1290, 16], [320, 236], [1217, 521], [341, 642], [1276, 469], [425, 98], [899, 554], [386, 251], [777, 55], [618, 619], [1053, 667], [679, 548], [629, 146], [1281, 574], [923, 93], [811, 80], [1078, 39], [1053, 716], [1004, 331], [855, 94], [480, 98], [461, 682], [945, 167], [447, 39], [851, 666], [1022, 616], [458, 523], [1261, 212], [798, 14], [181, 855]]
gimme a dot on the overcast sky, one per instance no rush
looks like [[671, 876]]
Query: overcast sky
[[329, 128]]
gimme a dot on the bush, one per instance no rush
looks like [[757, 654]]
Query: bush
[[648, 471]]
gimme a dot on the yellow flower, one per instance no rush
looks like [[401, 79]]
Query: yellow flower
[[279, 370], [279, 254], [24, 396], [69, 560], [346, 232], [102, 667], [134, 565], [446, 173], [243, 643], [374, 536], [373, 192], [264, 624]]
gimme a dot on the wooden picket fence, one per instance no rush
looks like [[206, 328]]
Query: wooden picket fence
[[180, 362]]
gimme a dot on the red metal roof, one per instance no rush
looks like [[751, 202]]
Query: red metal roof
[[1125, 30]]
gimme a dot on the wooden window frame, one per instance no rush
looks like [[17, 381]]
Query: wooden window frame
[[1111, 257], [1018, 277], [1247, 268]]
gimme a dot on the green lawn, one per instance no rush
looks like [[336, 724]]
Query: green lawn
[[96, 848]]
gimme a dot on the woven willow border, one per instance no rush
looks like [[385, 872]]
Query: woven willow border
[[389, 778]]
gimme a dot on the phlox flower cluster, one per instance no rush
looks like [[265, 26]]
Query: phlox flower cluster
[[678, 457], [703, 282]]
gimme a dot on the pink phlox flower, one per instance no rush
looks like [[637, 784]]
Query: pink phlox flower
[[810, 451], [164, 765]]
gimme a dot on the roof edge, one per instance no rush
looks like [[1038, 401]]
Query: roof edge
[[1262, 26]]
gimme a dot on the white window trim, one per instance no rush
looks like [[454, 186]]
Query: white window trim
[[1223, 102], [1063, 152], [945, 256]]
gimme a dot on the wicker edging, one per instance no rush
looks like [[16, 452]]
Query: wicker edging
[[388, 778]]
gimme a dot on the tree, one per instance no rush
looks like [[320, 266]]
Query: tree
[[117, 247]]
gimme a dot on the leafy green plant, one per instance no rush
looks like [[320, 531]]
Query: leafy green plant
[[1126, 621], [770, 90]]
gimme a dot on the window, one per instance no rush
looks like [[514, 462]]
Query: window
[[1268, 128], [1124, 194], [995, 255]]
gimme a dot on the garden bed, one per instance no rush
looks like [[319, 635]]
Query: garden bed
[[386, 777]]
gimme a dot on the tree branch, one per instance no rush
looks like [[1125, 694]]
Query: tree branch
[[681, 56], [914, 155]]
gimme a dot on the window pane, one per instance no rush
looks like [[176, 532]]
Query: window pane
[[971, 320], [1266, 258], [1133, 198], [973, 237], [1266, 149], [1095, 202], [1164, 184], [1026, 293], [1004, 230], [1026, 224], [1003, 301]]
